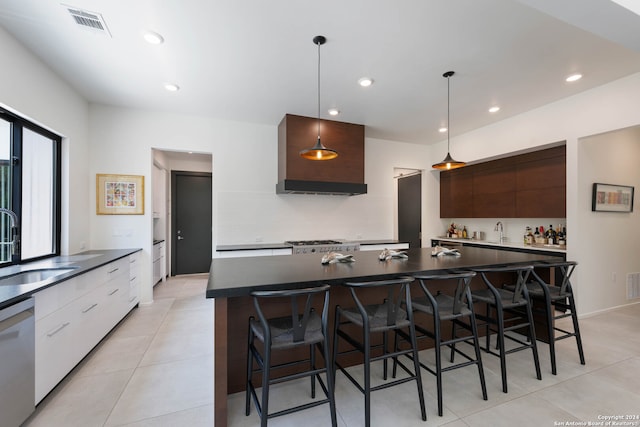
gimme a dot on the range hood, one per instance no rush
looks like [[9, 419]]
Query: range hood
[[341, 176]]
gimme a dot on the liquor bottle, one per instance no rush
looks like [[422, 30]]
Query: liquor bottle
[[551, 237], [560, 235]]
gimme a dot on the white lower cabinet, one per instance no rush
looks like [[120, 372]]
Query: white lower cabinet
[[134, 280], [73, 316]]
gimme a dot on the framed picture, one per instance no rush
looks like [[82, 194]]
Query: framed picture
[[612, 198], [119, 194]]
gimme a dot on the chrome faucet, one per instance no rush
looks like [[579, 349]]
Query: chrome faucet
[[15, 236], [501, 230]]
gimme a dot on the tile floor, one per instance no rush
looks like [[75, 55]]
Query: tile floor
[[156, 369]]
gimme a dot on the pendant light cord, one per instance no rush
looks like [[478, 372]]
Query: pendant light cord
[[319, 89], [448, 112]]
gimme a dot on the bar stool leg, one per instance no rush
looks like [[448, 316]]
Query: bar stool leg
[[476, 345], [438, 339], [367, 377], [503, 361], [534, 346], [576, 328], [312, 359], [548, 309], [416, 367], [249, 372], [266, 371]]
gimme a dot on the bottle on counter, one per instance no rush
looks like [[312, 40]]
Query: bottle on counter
[[528, 236], [562, 239], [551, 236], [464, 232]]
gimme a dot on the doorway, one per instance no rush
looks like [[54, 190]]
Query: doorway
[[191, 224], [410, 209]]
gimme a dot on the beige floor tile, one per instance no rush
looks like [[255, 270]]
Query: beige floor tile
[[201, 416], [526, 411], [165, 388], [169, 347], [115, 354], [81, 401]]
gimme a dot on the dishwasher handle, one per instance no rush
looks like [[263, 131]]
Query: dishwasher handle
[[16, 313]]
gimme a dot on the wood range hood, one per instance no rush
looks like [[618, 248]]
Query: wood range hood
[[343, 175]]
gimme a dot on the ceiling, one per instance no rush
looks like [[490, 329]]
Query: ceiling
[[254, 60]]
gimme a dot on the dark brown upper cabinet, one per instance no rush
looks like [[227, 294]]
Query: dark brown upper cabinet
[[531, 185]]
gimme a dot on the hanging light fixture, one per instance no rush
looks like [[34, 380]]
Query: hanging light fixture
[[319, 151], [448, 162]]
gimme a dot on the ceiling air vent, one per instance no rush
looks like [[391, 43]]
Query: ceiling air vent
[[91, 21]]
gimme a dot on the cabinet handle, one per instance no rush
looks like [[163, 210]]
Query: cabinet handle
[[114, 291], [94, 305], [133, 278], [114, 270], [131, 299], [132, 261], [58, 329]]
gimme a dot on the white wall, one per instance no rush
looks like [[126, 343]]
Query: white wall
[[29, 89], [614, 238], [605, 108]]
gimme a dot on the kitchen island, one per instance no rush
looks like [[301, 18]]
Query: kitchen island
[[231, 280]]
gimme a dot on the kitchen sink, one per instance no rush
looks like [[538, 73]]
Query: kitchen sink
[[33, 276]]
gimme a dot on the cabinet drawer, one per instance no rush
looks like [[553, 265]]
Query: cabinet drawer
[[54, 350]]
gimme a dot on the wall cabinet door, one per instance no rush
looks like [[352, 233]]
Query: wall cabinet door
[[531, 185]]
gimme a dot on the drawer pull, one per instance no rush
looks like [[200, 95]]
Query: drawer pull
[[94, 305], [114, 270], [58, 329], [114, 291], [132, 299], [133, 278]]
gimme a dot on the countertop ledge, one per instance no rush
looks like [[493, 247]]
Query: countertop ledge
[[282, 245], [81, 263], [506, 245]]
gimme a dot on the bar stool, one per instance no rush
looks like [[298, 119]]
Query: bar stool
[[446, 308], [378, 318], [302, 328], [557, 299], [505, 301]]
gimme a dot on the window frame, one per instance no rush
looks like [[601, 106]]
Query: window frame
[[18, 124]]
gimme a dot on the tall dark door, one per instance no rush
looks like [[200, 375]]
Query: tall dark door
[[191, 222], [409, 210]]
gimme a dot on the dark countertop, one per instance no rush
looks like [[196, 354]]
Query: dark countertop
[[282, 245], [232, 277], [81, 263]]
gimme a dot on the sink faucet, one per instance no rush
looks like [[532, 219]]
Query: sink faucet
[[501, 230], [15, 237]]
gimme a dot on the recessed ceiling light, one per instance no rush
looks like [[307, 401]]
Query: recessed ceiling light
[[573, 78], [171, 87], [442, 130], [494, 109], [365, 81], [334, 111], [152, 37]]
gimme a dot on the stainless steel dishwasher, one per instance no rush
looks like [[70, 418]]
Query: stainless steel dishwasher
[[17, 363]]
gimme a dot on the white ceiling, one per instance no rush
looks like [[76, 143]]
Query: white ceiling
[[254, 60]]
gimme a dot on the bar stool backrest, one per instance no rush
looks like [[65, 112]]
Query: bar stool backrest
[[299, 319], [522, 275], [461, 295], [566, 268], [398, 292]]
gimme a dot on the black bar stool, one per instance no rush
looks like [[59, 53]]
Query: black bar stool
[[456, 309], [302, 328], [505, 301], [378, 318], [558, 303]]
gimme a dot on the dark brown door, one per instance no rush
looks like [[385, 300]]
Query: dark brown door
[[191, 222], [410, 210]]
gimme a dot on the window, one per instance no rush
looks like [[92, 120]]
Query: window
[[29, 191]]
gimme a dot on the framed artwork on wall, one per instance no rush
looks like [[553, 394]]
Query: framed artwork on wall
[[612, 198], [119, 194]]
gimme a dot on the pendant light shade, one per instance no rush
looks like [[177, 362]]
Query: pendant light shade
[[448, 162], [319, 151]]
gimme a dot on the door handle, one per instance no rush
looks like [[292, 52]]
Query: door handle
[[180, 238]]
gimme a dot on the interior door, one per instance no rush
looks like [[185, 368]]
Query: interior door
[[191, 222], [410, 210]]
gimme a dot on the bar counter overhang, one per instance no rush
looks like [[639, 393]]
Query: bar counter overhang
[[231, 280]]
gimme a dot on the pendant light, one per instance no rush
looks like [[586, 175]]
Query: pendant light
[[448, 162], [319, 151]]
